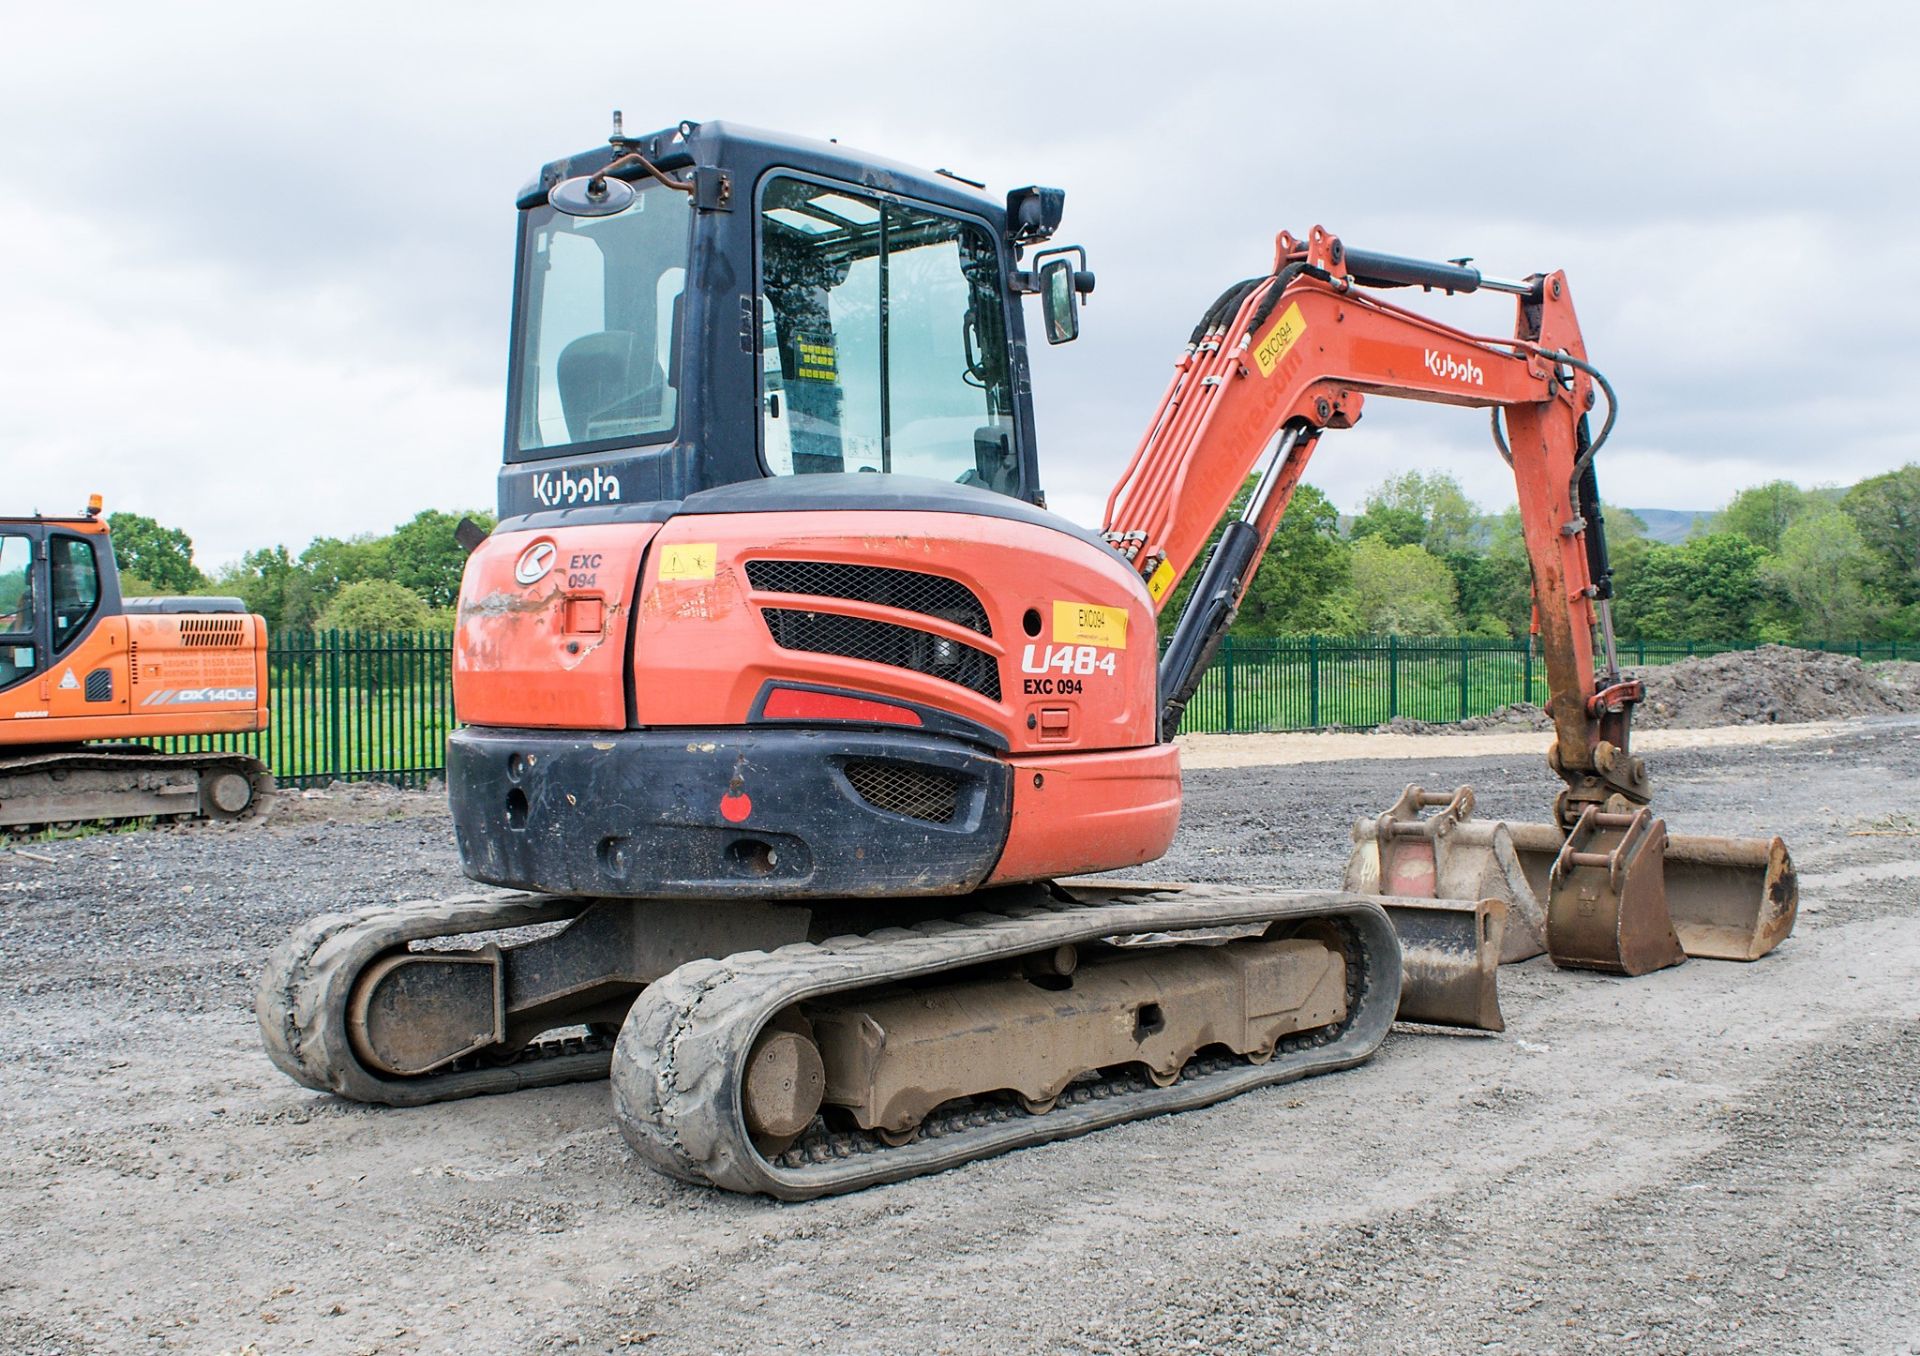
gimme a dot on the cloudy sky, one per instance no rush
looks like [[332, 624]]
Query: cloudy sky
[[256, 265]]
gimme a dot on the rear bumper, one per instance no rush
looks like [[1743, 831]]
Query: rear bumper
[[726, 813]]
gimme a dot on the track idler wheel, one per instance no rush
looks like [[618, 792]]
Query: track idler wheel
[[784, 1085]]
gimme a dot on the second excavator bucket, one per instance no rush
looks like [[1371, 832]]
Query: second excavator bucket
[[1730, 898], [1450, 960]]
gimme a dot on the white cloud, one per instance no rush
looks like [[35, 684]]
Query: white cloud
[[257, 259]]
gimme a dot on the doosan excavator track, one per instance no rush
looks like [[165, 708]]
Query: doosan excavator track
[[834, 1061], [59, 789]]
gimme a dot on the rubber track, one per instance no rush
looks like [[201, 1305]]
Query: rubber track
[[301, 1002], [678, 1064], [101, 760]]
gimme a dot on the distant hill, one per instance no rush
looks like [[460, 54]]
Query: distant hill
[[1671, 525]]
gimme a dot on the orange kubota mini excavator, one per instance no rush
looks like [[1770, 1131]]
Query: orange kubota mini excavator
[[79, 663], [789, 712]]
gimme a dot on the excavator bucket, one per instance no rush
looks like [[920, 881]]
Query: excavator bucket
[[1449, 855], [1450, 960], [1730, 898], [1607, 896], [1459, 897]]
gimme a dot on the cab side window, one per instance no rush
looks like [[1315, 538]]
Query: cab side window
[[76, 588], [16, 609]]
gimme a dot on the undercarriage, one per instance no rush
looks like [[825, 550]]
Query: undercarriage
[[64, 788], [800, 1050]]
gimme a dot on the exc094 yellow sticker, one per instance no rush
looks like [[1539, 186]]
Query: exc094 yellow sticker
[[1089, 624]]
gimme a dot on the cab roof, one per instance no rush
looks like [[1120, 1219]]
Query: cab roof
[[747, 152]]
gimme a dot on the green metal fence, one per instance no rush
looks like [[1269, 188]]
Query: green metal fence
[[1320, 682], [350, 706], [361, 705]]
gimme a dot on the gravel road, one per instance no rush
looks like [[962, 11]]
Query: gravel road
[[1718, 1157]]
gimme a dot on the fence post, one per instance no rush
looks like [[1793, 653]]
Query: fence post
[[1527, 670], [333, 703], [1463, 677], [1226, 647], [1393, 676], [1313, 682]]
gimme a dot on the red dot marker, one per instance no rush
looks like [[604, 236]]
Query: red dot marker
[[735, 806]]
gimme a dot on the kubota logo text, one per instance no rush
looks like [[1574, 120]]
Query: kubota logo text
[[589, 487], [1463, 370], [534, 562]]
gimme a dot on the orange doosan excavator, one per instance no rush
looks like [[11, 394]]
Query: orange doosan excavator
[[79, 663], [794, 724]]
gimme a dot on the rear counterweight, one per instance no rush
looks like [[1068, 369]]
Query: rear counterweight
[[727, 813]]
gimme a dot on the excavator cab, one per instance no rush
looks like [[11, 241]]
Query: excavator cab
[[711, 304]]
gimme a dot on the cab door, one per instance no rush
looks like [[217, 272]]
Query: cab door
[[22, 639], [87, 665]]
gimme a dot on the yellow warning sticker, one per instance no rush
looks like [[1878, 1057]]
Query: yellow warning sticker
[[1284, 335], [1160, 580], [1089, 624], [688, 560]]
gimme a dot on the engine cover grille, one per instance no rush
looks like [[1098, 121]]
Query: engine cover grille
[[909, 590], [903, 647], [915, 792]]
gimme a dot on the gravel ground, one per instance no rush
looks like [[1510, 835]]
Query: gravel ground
[[1717, 1157]]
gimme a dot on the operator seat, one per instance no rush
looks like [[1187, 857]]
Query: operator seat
[[608, 384]]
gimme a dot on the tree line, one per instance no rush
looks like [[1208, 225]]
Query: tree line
[[1778, 563], [405, 580]]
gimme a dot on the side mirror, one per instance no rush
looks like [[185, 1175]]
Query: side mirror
[[1059, 301]]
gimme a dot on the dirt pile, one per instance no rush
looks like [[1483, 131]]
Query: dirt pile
[[1521, 716], [1773, 684]]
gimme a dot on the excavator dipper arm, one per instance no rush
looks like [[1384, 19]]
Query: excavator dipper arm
[[1279, 359]]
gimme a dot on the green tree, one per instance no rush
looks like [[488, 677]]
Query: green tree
[[1417, 508], [1706, 588], [331, 563], [376, 605], [271, 582], [1294, 591], [1822, 570], [1763, 513], [1298, 579], [422, 555], [1399, 590], [1886, 509], [162, 557]]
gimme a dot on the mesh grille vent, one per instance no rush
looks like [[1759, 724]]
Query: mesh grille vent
[[207, 632], [931, 595], [903, 647], [916, 792], [133, 663]]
